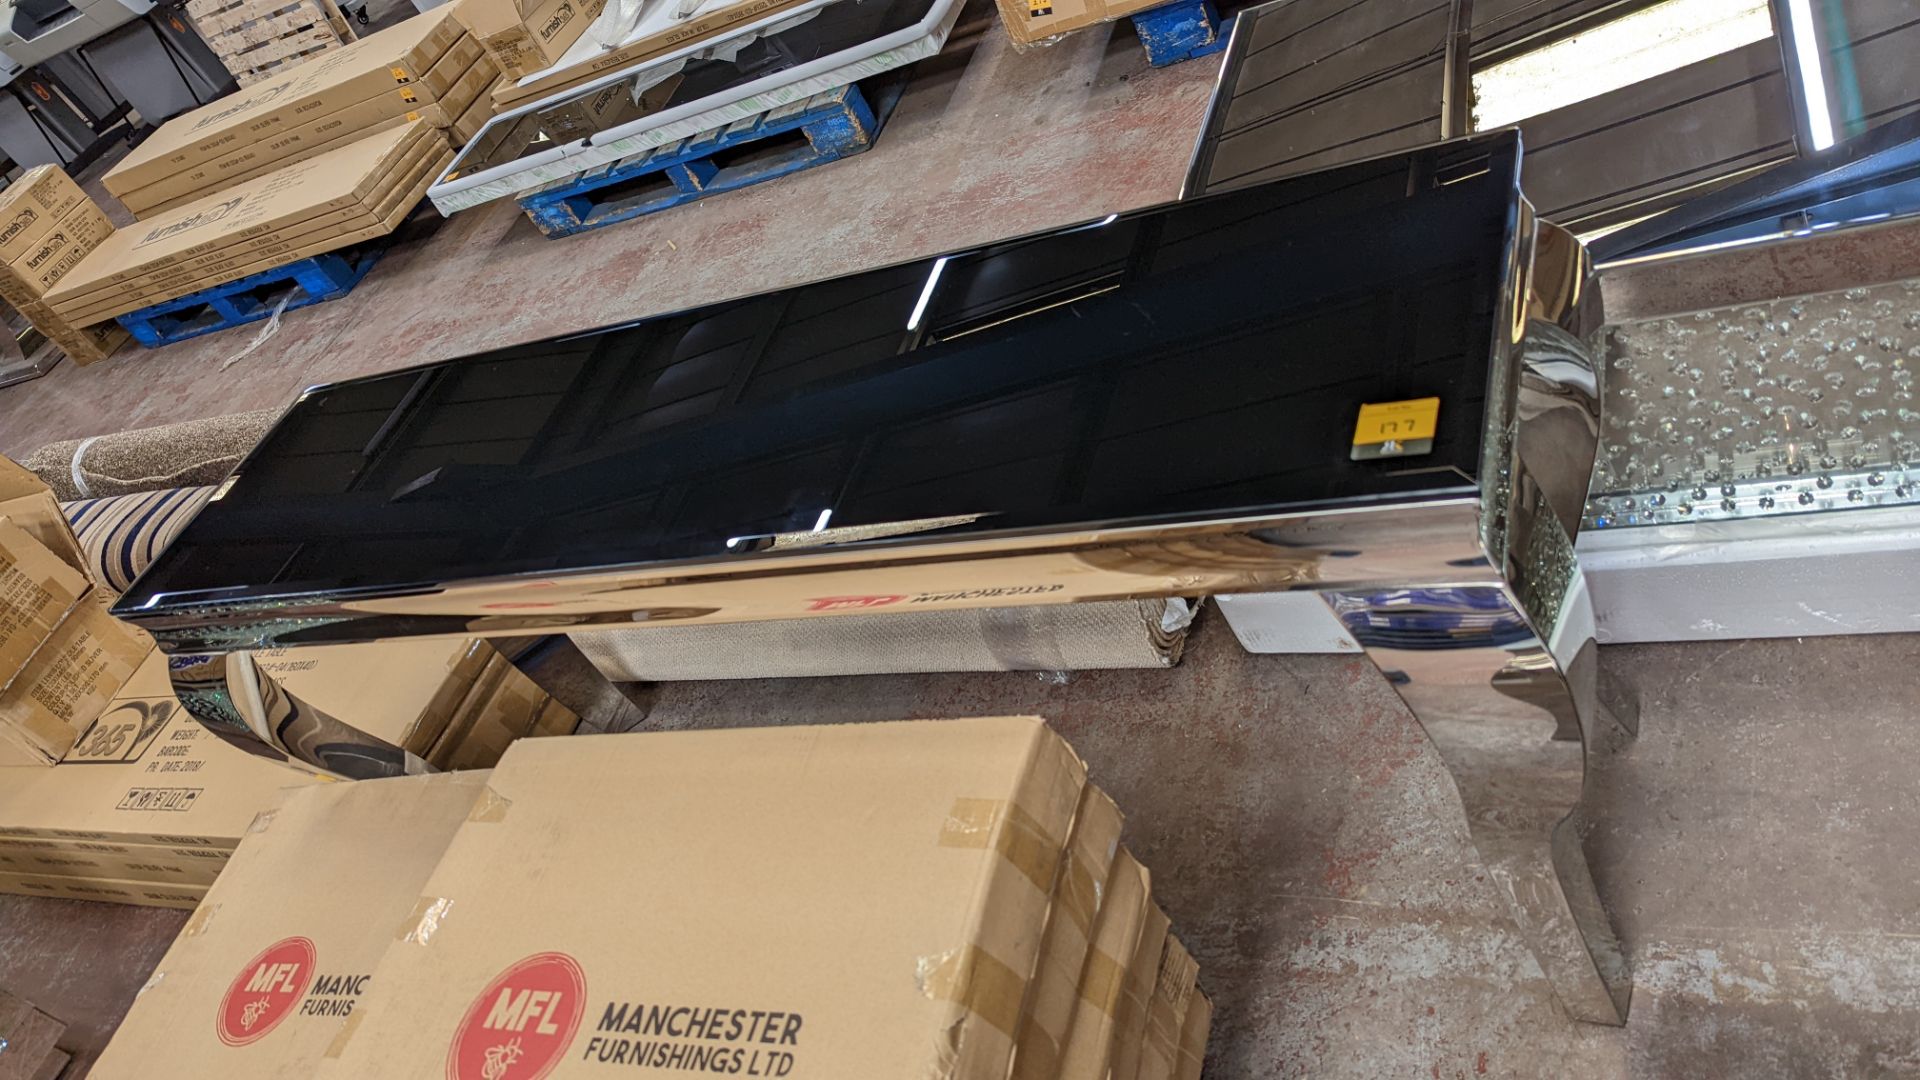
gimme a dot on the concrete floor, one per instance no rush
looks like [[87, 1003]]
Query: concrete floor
[[987, 143]]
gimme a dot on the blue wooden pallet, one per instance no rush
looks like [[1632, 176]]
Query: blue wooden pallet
[[826, 127], [252, 298], [1180, 31]]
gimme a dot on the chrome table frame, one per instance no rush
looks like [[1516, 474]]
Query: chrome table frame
[[1471, 600]]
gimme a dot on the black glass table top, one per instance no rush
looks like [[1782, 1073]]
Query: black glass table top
[[1183, 362]]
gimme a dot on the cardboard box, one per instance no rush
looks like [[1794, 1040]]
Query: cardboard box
[[139, 893], [525, 36], [184, 274], [588, 64], [271, 972], [320, 134], [1117, 934], [857, 900], [70, 681], [407, 688], [26, 501], [37, 591], [31, 205], [1143, 971], [158, 863], [339, 180], [1069, 935], [1028, 21], [1167, 1012], [1193, 1038], [283, 250], [397, 57]]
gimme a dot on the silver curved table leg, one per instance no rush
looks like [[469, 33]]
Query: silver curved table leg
[[246, 707], [1511, 715]]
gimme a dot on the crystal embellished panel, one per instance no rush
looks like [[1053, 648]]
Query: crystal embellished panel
[[1799, 405]]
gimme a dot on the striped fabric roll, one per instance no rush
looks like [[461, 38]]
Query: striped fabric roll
[[121, 534]]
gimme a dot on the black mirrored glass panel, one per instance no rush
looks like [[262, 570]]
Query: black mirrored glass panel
[[1184, 362]]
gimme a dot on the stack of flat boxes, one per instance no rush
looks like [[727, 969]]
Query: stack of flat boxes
[[425, 68], [926, 898], [258, 39], [148, 805], [47, 226]]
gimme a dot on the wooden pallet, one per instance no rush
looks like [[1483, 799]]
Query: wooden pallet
[[250, 299], [826, 127], [257, 39]]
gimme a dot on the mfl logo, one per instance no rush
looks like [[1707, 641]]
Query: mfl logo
[[265, 991], [520, 1026]]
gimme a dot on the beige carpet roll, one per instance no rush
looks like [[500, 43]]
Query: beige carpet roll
[[176, 455]]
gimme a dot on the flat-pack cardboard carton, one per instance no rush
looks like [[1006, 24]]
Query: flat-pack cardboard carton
[[29, 504], [584, 62], [467, 73], [525, 36], [139, 893], [1193, 1038], [1028, 21], [1143, 971], [148, 784], [392, 61], [145, 773], [194, 867], [1048, 1014], [70, 681], [1117, 934], [389, 199], [31, 205], [282, 953], [339, 180], [860, 900], [1167, 1011], [37, 591], [48, 260]]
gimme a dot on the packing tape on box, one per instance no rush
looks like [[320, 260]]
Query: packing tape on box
[[262, 821], [491, 806], [153, 980], [1079, 893], [1021, 840], [976, 981], [1039, 1053], [424, 920], [1103, 981], [347, 1027], [197, 925]]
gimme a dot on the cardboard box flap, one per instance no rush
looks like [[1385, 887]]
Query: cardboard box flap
[[394, 57], [913, 861], [37, 591], [308, 898], [26, 501]]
